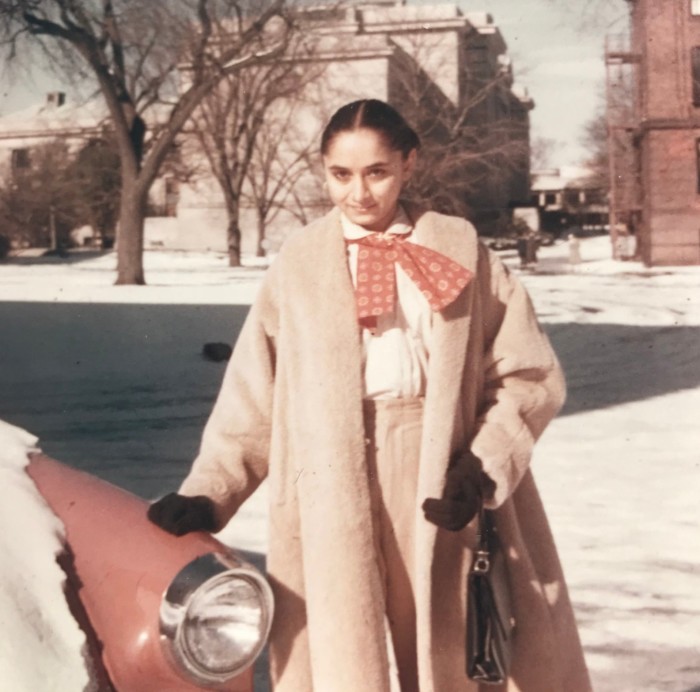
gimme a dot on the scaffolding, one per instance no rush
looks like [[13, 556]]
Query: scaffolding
[[622, 124]]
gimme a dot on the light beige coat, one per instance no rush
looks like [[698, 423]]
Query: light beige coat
[[290, 408]]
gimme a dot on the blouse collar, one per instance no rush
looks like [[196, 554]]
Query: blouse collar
[[400, 225]]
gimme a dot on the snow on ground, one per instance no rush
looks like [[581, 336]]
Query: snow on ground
[[41, 644], [88, 276], [111, 379]]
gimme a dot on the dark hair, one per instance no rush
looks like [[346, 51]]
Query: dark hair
[[376, 115]]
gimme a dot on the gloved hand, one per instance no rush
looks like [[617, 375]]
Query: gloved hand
[[465, 484], [180, 514]]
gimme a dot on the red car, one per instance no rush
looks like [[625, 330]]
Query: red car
[[160, 612]]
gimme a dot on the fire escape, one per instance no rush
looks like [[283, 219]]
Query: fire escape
[[622, 96]]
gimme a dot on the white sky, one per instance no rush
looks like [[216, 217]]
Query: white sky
[[556, 46]]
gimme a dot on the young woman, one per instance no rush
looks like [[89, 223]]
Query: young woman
[[390, 371]]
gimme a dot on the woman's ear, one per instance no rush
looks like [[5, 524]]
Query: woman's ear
[[409, 163]]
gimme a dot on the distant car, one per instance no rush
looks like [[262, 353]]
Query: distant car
[[544, 239], [160, 613], [501, 242], [509, 241]]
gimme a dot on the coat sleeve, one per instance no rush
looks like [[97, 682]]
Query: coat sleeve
[[524, 385], [233, 456]]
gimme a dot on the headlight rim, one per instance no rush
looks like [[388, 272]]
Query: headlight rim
[[178, 598]]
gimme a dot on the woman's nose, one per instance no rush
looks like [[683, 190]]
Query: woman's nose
[[359, 189]]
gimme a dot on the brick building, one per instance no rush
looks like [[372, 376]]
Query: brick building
[[665, 49]]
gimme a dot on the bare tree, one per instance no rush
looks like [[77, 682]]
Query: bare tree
[[285, 177], [282, 158], [475, 152], [542, 149], [228, 124], [153, 63], [595, 140], [39, 200], [95, 173]]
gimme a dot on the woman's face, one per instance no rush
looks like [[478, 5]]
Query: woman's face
[[365, 177]]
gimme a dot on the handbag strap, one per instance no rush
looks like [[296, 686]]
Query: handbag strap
[[482, 554]]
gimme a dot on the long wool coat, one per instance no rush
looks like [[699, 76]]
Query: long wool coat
[[290, 409]]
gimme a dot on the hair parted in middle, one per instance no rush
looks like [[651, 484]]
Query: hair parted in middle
[[376, 115]]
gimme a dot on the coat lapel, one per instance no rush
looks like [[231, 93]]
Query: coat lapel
[[450, 338], [342, 580], [443, 428]]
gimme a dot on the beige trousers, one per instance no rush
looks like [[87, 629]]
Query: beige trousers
[[393, 432]]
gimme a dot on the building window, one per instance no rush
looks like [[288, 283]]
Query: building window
[[478, 55], [695, 63], [20, 159], [695, 7]]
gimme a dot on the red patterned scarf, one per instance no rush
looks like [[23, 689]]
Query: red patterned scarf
[[439, 278]]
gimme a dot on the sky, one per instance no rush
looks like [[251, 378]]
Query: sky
[[111, 380], [557, 50]]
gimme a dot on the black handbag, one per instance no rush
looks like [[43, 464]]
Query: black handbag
[[490, 621]]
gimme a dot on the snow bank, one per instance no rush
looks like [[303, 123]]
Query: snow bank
[[182, 278], [41, 645]]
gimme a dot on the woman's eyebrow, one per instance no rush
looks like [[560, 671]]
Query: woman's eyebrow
[[378, 164]]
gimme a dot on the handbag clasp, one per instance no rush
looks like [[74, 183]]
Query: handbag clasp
[[482, 564]]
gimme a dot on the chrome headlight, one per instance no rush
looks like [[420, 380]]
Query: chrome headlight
[[215, 617]]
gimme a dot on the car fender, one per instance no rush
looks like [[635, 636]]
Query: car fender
[[123, 564]]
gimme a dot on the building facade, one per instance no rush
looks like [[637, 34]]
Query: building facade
[[446, 70], [569, 200], [665, 48], [75, 126]]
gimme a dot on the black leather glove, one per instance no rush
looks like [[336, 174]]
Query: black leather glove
[[465, 484], [180, 514]]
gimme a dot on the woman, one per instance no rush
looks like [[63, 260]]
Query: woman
[[390, 371]]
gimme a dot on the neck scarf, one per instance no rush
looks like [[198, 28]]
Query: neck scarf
[[439, 278]]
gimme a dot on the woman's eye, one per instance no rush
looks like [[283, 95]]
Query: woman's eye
[[377, 173], [341, 175]]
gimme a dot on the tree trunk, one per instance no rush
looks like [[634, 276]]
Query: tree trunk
[[259, 249], [132, 211], [233, 234]]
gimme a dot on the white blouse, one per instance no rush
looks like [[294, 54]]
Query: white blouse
[[395, 356]]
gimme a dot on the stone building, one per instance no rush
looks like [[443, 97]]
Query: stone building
[[24, 130], [445, 69], [75, 126], [441, 66], [665, 54]]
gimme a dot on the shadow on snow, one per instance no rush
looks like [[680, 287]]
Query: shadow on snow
[[123, 390]]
